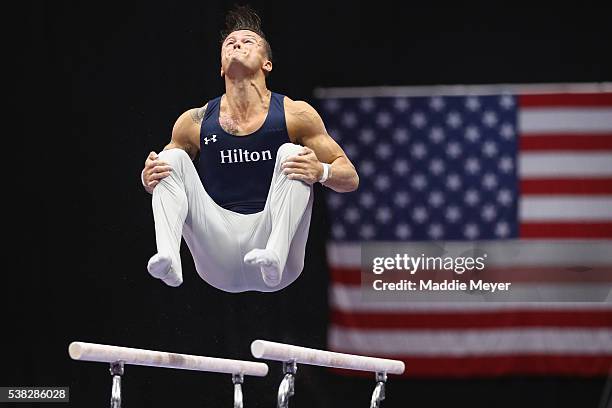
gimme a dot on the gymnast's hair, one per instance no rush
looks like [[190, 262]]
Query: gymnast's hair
[[244, 18]]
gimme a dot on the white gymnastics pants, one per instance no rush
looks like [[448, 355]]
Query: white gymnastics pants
[[218, 238]]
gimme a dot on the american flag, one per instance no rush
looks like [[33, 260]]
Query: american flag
[[522, 171]]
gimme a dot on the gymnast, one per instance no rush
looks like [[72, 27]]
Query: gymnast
[[244, 208]]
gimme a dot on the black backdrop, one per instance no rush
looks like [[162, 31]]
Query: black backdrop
[[97, 86]]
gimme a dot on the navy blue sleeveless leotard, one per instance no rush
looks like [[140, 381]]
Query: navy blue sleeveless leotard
[[236, 171]]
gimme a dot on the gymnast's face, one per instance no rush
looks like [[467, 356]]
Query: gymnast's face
[[244, 51]]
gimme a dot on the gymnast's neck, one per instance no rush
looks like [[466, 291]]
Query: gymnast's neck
[[246, 96]]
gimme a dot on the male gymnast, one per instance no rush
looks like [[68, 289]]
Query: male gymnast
[[244, 208]]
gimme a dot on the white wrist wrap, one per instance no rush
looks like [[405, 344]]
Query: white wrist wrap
[[326, 172]]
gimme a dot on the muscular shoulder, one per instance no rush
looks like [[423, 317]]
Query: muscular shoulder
[[190, 117], [300, 111], [302, 120], [197, 114], [186, 130]]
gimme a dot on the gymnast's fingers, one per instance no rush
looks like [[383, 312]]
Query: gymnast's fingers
[[159, 176], [161, 168], [297, 176], [290, 163], [301, 173], [150, 158], [293, 167], [305, 150], [300, 159], [306, 178]]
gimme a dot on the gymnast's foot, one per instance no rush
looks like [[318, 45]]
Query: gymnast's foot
[[268, 262], [160, 267]]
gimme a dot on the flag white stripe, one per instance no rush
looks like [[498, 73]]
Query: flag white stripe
[[565, 208], [563, 165], [481, 342], [349, 298], [347, 254], [499, 253], [564, 120], [442, 337]]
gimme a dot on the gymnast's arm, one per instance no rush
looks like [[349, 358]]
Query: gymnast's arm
[[306, 127], [186, 136]]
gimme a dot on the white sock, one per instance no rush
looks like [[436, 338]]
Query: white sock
[[160, 267], [269, 264]]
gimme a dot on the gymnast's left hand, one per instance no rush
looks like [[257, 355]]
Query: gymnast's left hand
[[305, 167]]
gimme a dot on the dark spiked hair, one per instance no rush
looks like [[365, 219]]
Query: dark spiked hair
[[244, 18]]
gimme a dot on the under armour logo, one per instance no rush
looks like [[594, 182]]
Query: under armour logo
[[212, 139]]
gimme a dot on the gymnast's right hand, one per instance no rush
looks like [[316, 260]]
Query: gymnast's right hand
[[154, 171]]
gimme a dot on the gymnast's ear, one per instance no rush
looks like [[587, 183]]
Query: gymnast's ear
[[222, 73], [267, 67]]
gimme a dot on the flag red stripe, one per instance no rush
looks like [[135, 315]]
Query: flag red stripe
[[432, 320], [572, 142], [566, 186], [566, 100], [529, 364], [479, 362], [345, 276], [583, 230]]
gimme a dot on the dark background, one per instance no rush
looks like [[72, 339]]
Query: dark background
[[95, 87]]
